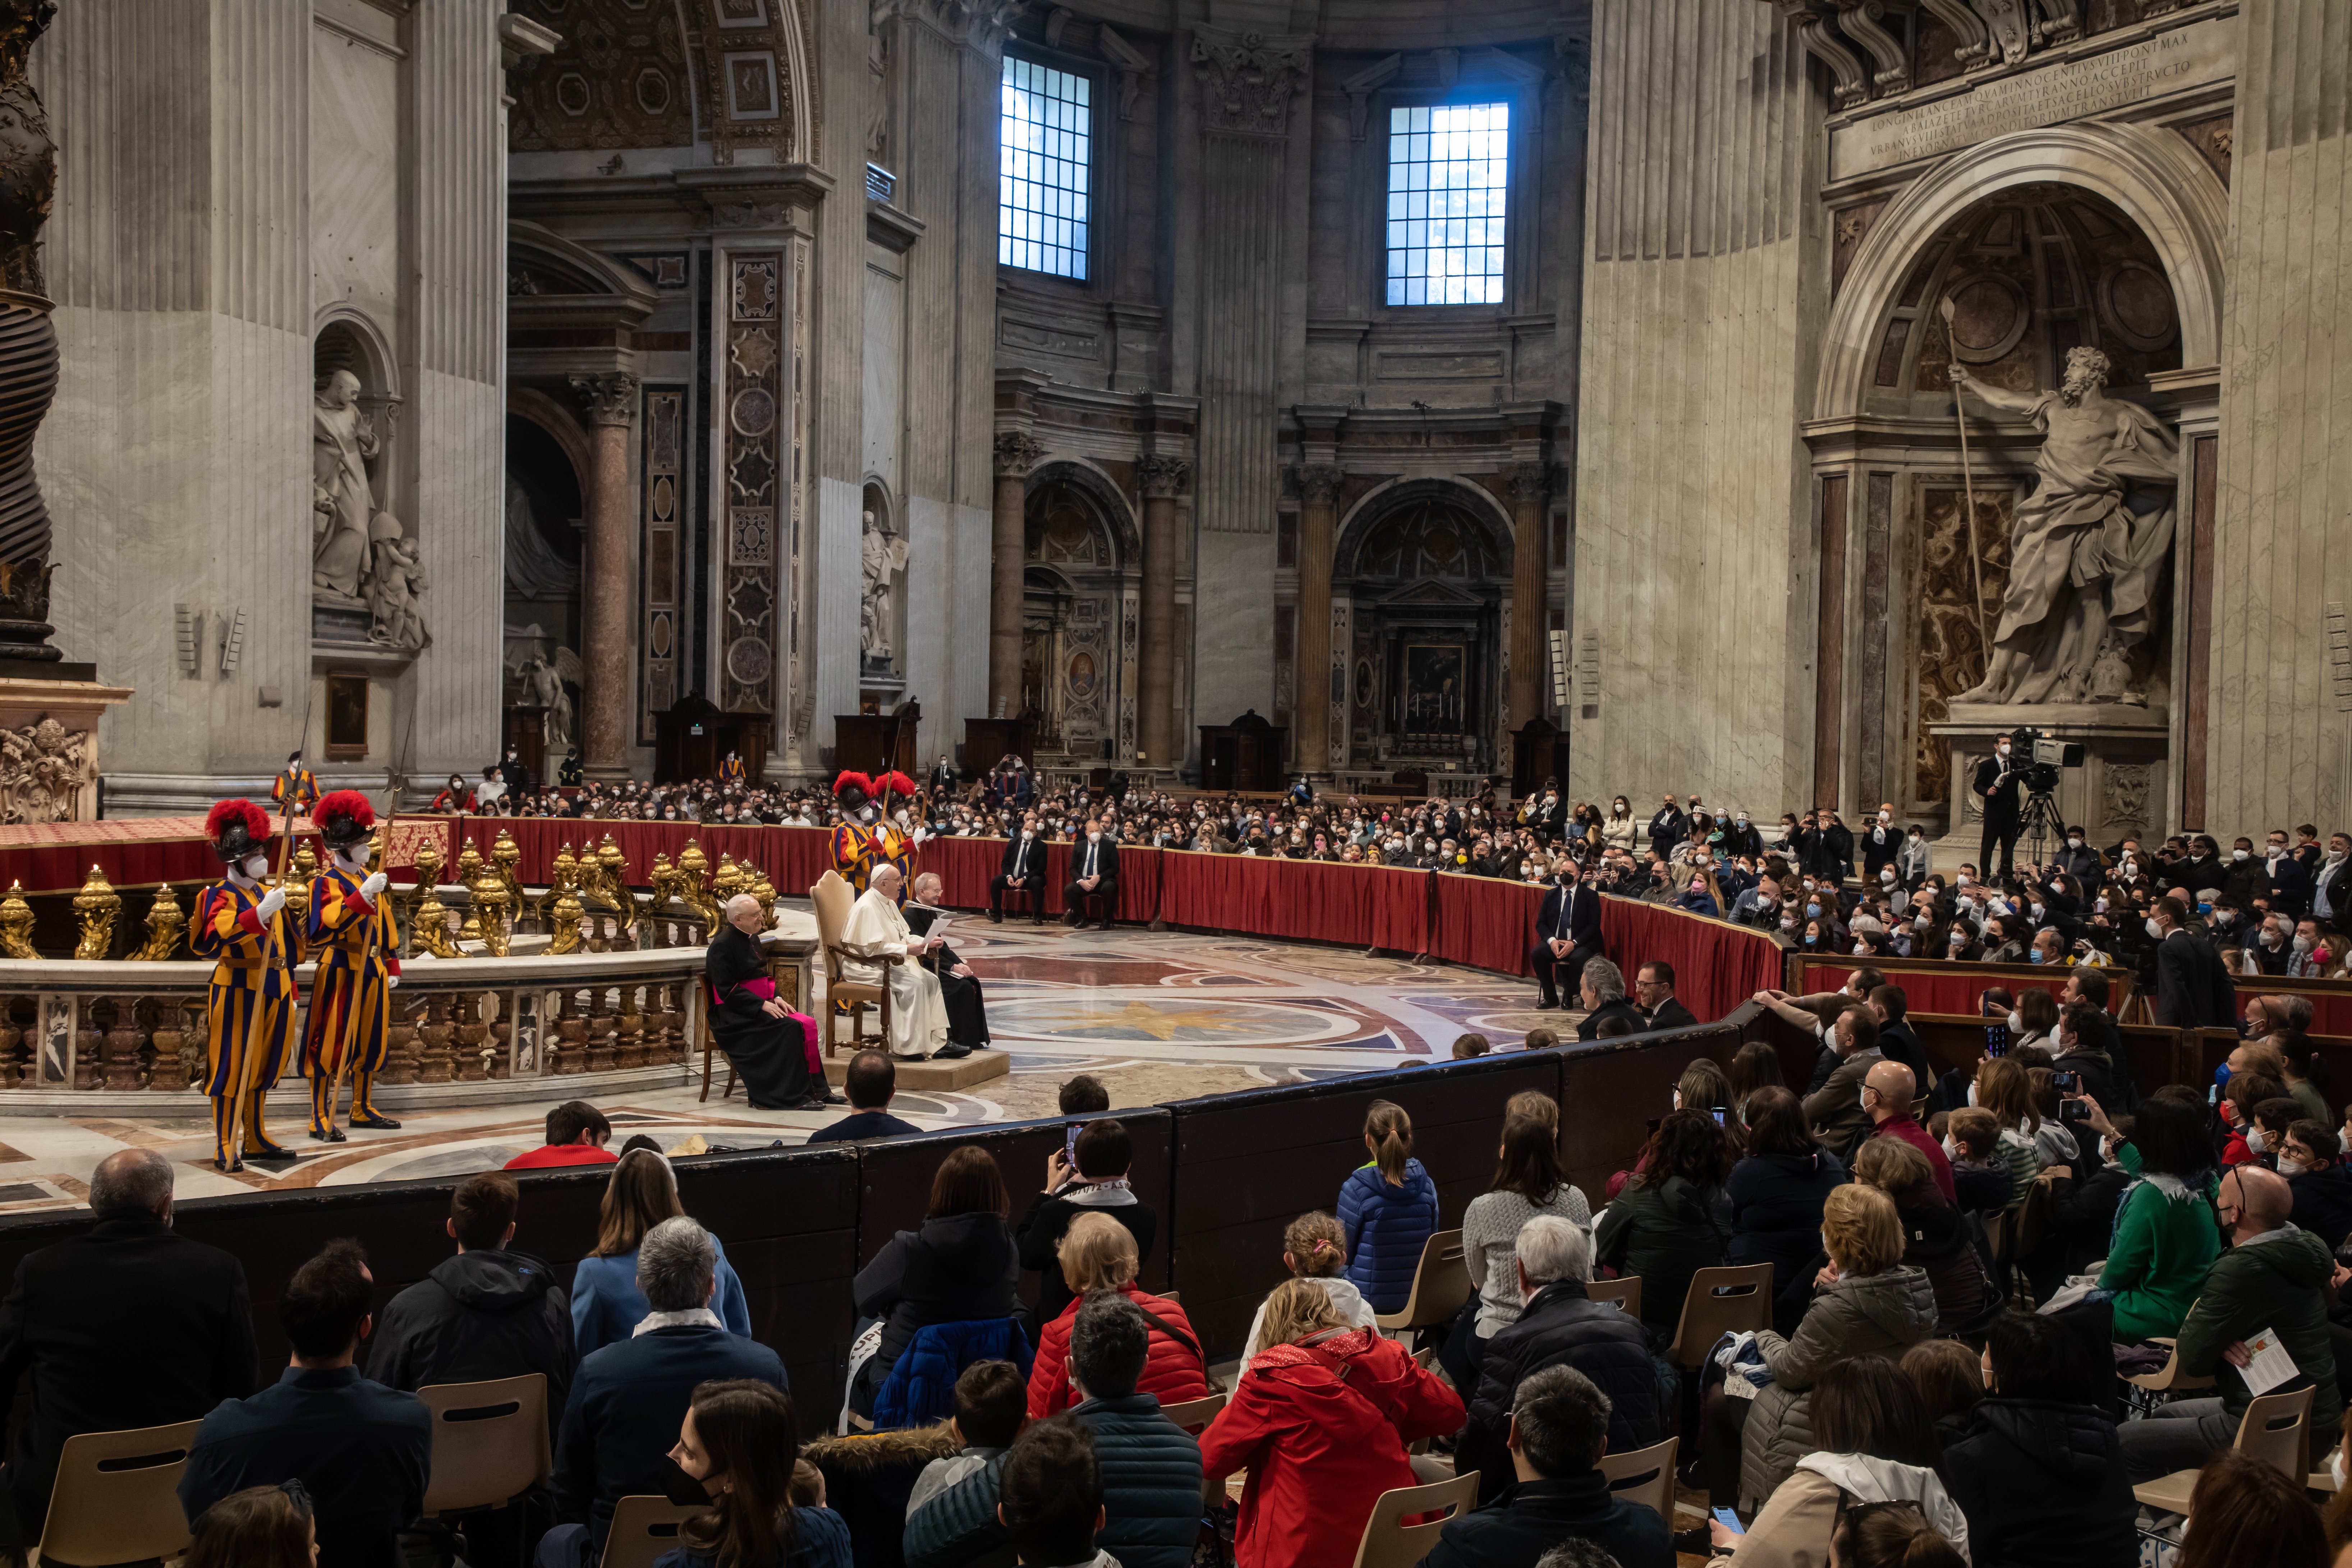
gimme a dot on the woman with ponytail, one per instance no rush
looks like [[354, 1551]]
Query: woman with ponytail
[[1527, 1182], [1388, 1207], [1315, 1248]]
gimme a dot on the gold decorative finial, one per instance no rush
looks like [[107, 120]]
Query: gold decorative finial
[[96, 906], [16, 924], [166, 924]]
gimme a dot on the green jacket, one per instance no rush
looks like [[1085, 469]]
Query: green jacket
[[2157, 1263], [2278, 1282]]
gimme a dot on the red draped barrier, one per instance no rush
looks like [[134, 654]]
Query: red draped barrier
[[1717, 965], [2331, 1000], [1485, 923], [1940, 986]]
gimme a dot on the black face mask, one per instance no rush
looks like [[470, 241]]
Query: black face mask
[[680, 1487]]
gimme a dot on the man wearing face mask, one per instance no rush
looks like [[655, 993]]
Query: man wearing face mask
[[2270, 1276], [2331, 884], [1667, 828], [1093, 876], [2193, 990], [1996, 783], [1568, 934], [234, 923], [2285, 878], [1839, 1111], [1023, 869], [2079, 860], [1882, 844], [351, 931]]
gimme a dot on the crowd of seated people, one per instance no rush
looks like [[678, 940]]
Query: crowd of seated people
[[1913, 1400]]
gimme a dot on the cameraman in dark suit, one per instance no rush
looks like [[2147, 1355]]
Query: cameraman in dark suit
[[1093, 876], [1995, 784], [2193, 990], [1023, 868], [1568, 934]]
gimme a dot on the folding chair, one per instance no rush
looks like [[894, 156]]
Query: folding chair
[[117, 1496], [1625, 1292], [1441, 1283], [645, 1528], [1388, 1542], [1646, 1476]]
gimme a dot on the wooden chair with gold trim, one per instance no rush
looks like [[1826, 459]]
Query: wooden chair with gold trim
[[831, 897]]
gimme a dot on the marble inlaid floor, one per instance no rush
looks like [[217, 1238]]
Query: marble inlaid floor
[[1157, 1017]]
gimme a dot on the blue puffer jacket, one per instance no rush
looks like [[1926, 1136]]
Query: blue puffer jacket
[[921, 1385], [1386, 1228], [1150, 1479]]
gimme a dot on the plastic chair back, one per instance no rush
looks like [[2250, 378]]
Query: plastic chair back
[[2276, 1429], [1441, 1283], [1194, 1414], [1745, 1305], [117, 1496], [489, 1441], [1625, 1292], [1389, 1542], [1646, 1476], [645, 1528]]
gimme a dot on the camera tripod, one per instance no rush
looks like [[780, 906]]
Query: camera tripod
[[2040, 823]]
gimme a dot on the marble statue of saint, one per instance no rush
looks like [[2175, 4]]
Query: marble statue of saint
[[879, 554], [543, 686], [394, 596], [2083, 565], [341, 441]]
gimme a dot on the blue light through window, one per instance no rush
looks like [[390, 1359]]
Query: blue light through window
[[1046, 169], [1447, 168]]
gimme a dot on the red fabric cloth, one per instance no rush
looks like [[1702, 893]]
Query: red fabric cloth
[[1939, 986], [1172, 1371], [549, 1157], [1483, 922], [1717, 965], [1320, 1452], [2331, 1000]]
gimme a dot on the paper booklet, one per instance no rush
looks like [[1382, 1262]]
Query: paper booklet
[[2271, 1366]]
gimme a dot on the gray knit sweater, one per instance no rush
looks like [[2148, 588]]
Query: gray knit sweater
[[1490, 1235]]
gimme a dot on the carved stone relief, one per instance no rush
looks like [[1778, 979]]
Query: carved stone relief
[[44, 768], [1951, 647]]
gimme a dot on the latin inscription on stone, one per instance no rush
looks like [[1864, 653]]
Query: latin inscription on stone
[[2193, 56]]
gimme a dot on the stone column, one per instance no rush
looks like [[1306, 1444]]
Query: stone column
[[611, 403], [1163, 478], [1530, 587], [1017, 453], [1319, 493]]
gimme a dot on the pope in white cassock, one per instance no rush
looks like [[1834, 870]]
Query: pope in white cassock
[[919, 1014]]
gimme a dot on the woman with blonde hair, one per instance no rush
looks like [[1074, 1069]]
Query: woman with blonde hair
[[1314, 1248], [1098, 1259], [1320, 1420], [1936, 1236], [606, 1305], [1867, 1302], [1388, 1207], [2002, 1088]]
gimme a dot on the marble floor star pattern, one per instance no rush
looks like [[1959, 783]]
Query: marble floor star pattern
[[1156, 1016]]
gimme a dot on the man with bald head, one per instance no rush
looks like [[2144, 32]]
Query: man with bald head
[[1888, 1090], [126, 1325], [2271, 1277]]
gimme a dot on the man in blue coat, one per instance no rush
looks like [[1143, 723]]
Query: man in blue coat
[[363, 1451], [1150, 1465], [1568, 934], [628, 1400]]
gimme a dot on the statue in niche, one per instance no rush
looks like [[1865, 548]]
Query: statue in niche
[[342, 440], [394, 591], [880, 555], [2084, 565], [544, 682]]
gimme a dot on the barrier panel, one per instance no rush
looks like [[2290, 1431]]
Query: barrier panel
[[1718, 966], [1940, 986], [1609, 1091], [1488, 924], [2331, 1000]]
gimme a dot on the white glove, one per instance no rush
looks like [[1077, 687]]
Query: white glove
[[922, 834], [376, 883], [271, 902], [391, 983]]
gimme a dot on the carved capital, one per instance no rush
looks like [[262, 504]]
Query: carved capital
[[1247, 80], [1017, 453], [1974, 40], [1318, 483], [607, 399], [1811, 20], [1864, 23], [1165, 477], [1529, 482]]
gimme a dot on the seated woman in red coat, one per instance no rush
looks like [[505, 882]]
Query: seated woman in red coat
[[1097, 1257], [1320, 1447]]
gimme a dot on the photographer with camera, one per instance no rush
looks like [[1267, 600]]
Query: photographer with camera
[[1996, 783]]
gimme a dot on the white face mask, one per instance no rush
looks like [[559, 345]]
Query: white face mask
[[256, 867], [2238, 854], [2255, 1143], [2288, 1166], [2302, 944], [2155, 931], [2016, 1022], [2334, 857], [1862, 950], [2074, 843], [2336, 1467], [1951, 1150], [1788, 923], [2276, 851], [1886, 879]]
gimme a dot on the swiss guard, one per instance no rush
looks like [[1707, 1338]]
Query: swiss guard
[[297, 780], [237, 923], [352, 933], [864, 837]]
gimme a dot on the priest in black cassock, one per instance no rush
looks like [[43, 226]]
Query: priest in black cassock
[[767, 1041], [967, 1015]]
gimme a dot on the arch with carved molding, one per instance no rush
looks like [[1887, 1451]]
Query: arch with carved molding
[[2152, 175]]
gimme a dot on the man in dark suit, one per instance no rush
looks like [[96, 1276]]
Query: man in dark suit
[[1667, 827], [2331, 884], [1093, 876], [1024, 868], [629, 1399], [1881, 841], [967, 1013], [1601, 986], [1995, 784], [82, 1320], [1568, 934], [943, 778], [1653, 993], [2193, 990], [363, 1451], [2284, 878]]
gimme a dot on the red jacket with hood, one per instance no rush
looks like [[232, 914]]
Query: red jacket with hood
[[1172, 1369], [1320, 1448]]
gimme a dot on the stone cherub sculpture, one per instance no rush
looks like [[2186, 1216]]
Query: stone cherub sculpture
[[2083, 565], [398, 585]]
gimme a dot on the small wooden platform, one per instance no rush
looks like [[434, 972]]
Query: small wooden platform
[[937, 1076]]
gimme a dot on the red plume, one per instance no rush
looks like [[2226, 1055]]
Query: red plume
[[348, 803], [256, 821], [894, 784], [843, 785]]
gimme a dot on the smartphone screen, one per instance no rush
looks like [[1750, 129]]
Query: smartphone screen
[[2068, 1082], [1719, 1113], [1730, 1519], [1070, 1143], [1996, 1039]]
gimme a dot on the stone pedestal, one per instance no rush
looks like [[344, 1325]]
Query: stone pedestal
[[36, 788], [2119, 788]]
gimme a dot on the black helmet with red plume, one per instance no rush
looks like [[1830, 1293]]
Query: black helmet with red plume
[[237, 828]]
